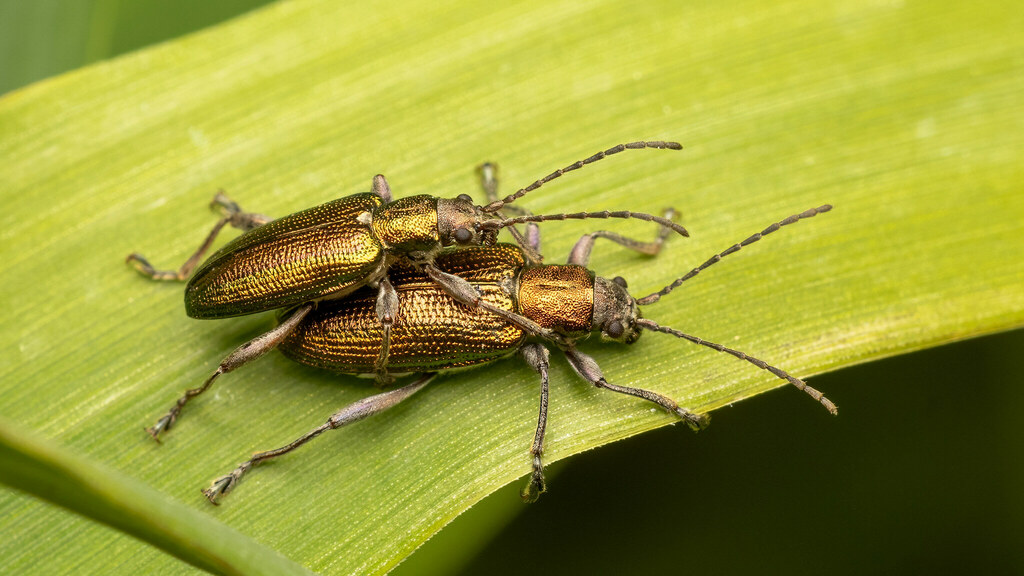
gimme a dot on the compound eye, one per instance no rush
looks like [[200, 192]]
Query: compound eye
[[465, 197], [620, 281], [615, 329], [463, 235]]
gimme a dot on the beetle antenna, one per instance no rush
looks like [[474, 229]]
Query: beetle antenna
[[497, 204], [800, 384], [652, 298], [496, 224]]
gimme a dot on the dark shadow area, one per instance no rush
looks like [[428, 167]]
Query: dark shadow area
[[920, 473]]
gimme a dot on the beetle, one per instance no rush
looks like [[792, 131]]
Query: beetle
[[434, 333], [329, 251]]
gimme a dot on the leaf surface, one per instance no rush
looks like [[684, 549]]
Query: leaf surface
[[906, 117]]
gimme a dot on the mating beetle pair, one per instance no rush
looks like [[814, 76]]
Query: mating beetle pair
[[331, 250], [455, 308]]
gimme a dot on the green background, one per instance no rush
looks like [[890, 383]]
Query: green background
[[920, 473]]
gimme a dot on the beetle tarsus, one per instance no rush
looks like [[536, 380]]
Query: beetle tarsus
[[232, 214], [221, 486], [142, 266], [164, 423], [535, 486], [696, 422]]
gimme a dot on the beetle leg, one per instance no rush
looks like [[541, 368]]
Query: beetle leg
[[381, 188], [464, 293], [537, 357], [233, 215], [237, 217], [387, 311], [489, 180], [530, 243], [351, 413], [588, 369], [533, 236], [580, 254], [244, 354]]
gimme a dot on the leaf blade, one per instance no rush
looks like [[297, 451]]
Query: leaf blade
[[51, 474], [902, 118]]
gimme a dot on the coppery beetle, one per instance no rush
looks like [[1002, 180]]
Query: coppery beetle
[[433, 332], [331, 250]]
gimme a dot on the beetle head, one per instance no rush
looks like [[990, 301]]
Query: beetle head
[[615, 311], [458, 223]]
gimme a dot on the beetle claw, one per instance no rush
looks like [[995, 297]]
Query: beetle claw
[[221, 486], [139, 262], [164, 423], [534, 488], [696, 422]]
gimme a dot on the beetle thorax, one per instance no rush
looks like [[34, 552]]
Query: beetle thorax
[[407, 224], [560, 298]]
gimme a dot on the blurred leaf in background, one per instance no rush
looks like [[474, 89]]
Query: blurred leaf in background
[[916, 473], [42, 38]]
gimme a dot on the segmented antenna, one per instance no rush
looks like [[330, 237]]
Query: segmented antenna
[[497, 224], [497, 204], [652, 298], [800, 384]]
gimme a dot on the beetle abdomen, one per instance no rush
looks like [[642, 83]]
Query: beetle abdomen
[[431, 332], [305, 256]]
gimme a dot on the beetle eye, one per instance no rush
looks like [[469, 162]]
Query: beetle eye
[[615, 329], [465, 197], [620, 281], [463, 235]]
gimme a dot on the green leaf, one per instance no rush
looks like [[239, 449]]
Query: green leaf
[[66, 480], [905, 117]]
